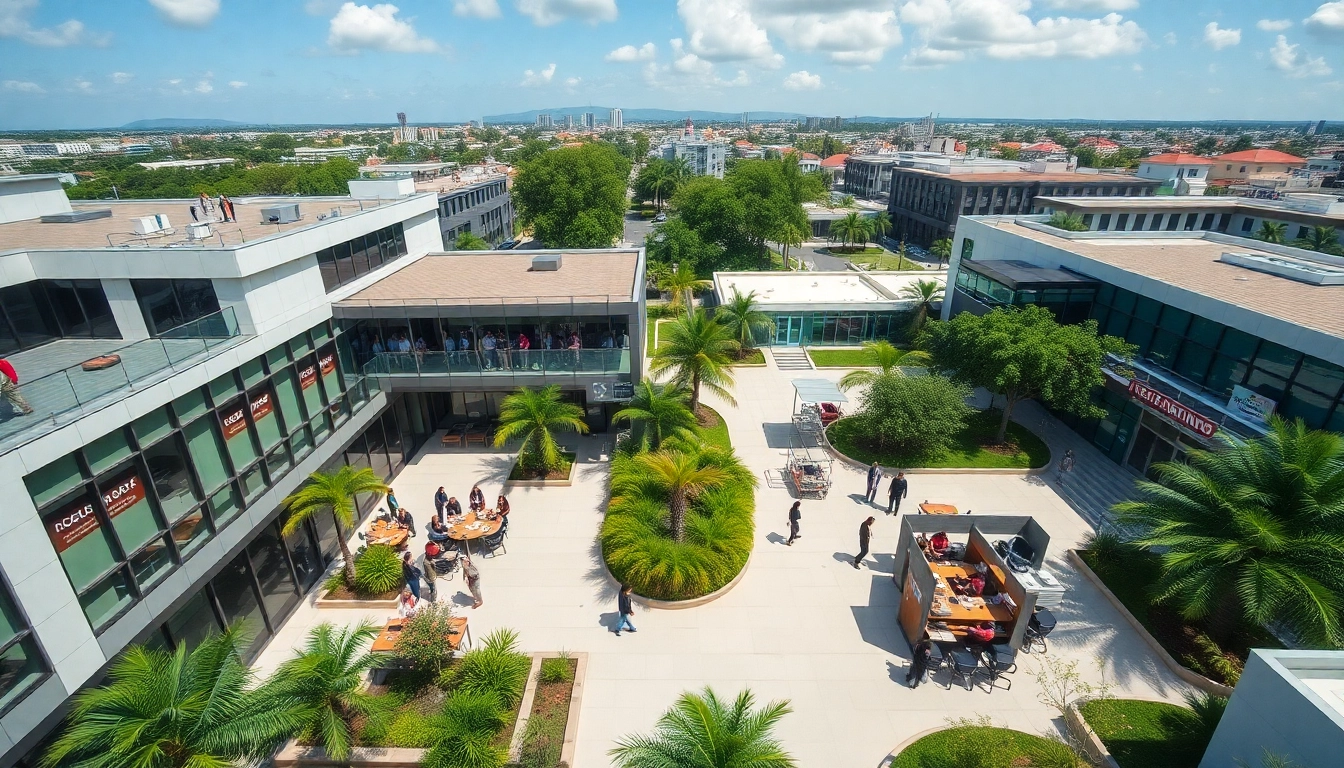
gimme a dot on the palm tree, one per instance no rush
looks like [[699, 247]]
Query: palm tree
[[681, 476], [881, 224], [1272, 232], [657, 412], [853, 228], [701, 731], [788, 236], [174, 709], [924, 293], [326, 682], [1323, 239], [535, 415], [334, 493], [741, 316], [888, 361], [1253, 530], [697, 350], [681, 285], [942, 249]]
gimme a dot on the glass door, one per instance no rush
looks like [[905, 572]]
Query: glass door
[[788, 330]]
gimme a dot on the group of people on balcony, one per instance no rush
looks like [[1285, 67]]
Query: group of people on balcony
[[488, 350]]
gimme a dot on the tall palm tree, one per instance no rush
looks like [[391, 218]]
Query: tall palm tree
[[881, 222], [787, 237], [681, 285], [702, 731], [326, 682], [741, 315], [682, 477], [536, 415], [174, 709], [1253, 530], [1323, 239], [697, 351], [853, 228], [1272, 232], [942, 250], [924, 293], [334, 493], [888, 361], [657, 412]]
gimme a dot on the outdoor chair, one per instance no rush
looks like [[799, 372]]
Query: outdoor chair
[[494, 542], [1000, 660], [965, 663], [937, 660], [1041, 624]]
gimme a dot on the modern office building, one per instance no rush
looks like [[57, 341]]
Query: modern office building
[[706, 158], [868, 177], [569, 122], [185, 378], [353, 152], [1226, 329], [483, 208], [1297, 212], [616, 121], [57, 149], [589, 120]]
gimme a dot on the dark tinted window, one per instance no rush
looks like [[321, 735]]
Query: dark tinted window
[[167, 304], [272, 569]]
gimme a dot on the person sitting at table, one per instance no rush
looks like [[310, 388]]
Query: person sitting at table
[[972, 586], [383, 516], [981, 633], [502, 506], [407, 604], [437, 530], [403, 518], [923, 543], [939, 544], [476, 499], [453, 508]]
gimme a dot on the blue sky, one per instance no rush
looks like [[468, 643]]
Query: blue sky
[[79, 63]]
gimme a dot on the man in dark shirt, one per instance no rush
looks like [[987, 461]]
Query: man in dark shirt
[[899, 490], [919, 665], [795, 515], [874, 480], [865, 535], [452, 508], [625, 609], [440, 499]]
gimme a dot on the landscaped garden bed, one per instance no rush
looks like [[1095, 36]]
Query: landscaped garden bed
[[377, 584], [713, 429], [750, 357], [970, 743], [564, 473], [972, 447], [856, 357], [545, 735], [1151, 734]]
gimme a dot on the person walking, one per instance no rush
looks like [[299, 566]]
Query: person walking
[[440, 500], [919, 665], [1065, 465], [874, 480], [411, 574], [899, 490], [9, 388], [473, 579], [426, 565], [865, 535], [625, 609], [795, 516]]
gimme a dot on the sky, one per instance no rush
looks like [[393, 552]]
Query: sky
[[83, 64]]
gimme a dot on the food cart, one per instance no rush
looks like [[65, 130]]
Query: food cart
[[811, 474]]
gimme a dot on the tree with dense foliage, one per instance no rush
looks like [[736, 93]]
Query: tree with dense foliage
[[574, 197], [325, 683], [853, 228], [925, 293], [681, 477], [174, 709], [887, 359], [237, 180], [1272, 232], [659, 179], [1253, 530], [881, 225], [941, 250], [772, 193], [1024, 353], [640, 140], [915, 416], [681, 284], [656, 412], [1321, 238], [788, 237], [702, 731], [674, 242], [697, 351], [1069, 222], [469, 242], [333, 493], [535, 415], [711, 208], [743, 318], [278, 141]]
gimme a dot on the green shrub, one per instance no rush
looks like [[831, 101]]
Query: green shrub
[[424, 639], [659, 311], [1207, 709], [913, 415], [1069, 222], [377, 570], [1108, 546], [463, 734], [410, 730], [1210, 660], [556, 670], [543, 738], [496, 668]]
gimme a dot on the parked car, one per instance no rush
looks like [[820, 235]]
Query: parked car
[[660, 218], [507, 245]]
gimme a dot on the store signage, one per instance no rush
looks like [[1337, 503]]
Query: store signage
[[262, 404], [623, 390], [1251, 406], [1171, 409], [234, 422], [326, 360], [79, 520], [125, 492], [308, 376]]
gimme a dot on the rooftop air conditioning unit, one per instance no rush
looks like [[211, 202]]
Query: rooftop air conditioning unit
[[150, 225], [198, 230], [547, 262], [280, 214]]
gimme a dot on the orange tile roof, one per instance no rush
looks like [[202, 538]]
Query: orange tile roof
[[834, 161], [1261, 156], [1177, 158]]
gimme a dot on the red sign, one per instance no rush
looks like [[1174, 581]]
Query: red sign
[[123, 493], [1171, 409], [234, 423], [327, 361], [262, 404], [79, 520], [308, 376]]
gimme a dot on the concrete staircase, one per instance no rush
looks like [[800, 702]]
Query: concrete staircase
[[791, 358]]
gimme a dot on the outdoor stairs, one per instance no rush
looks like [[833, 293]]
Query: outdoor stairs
[[791, 358]]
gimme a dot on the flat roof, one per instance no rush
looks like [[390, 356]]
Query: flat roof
[[505, 277], [1201, 202], [775, 288], [1192, 263], [1015, 274], [895, 281]]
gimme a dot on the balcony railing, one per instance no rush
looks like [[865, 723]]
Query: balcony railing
[[513, 362]]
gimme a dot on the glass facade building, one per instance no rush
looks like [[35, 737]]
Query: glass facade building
[[355, 258], [22, 665], [40, 311], [834, 328]]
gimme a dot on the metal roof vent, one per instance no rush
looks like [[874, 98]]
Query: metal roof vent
[[546, 262], [1308, 271], [72, 217]]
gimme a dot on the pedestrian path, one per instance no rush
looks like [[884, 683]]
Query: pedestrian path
[[791, 358]]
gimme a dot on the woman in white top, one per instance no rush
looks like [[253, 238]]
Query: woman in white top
[[407, 605]]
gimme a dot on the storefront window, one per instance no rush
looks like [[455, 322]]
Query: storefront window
[[193, 622], [271, 565], [167, 464], [207, 453], [238, 600], [21, 666], [307, 560]]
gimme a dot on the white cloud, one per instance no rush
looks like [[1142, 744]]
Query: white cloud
[[236, 84], [187, 13], [724, 30], [925, 57], [1215, 91], [531, 78], [175, 81], [1285, 58], [14, 23], [1169, 38], [1136, 66], [121, 78], [23, 86], [476, 9], [204, 86], [1273, 25], [645, 52], [1221, 38], [847, 36], [570, 82], [1093, 5], [802, 81], [544, 13], [1327, 20], [1001, 29], [688, 72], [377, 28], [83, 86]]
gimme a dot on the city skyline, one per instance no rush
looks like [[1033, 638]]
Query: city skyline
[[72, 65]]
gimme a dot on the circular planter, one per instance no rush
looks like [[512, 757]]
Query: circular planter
[[692, 602]]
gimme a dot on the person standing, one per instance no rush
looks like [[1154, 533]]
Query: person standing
[[9, 387], [392, 502], [625, 609], [426, 566], [476, 499], [899, 490], [440, 500], [865, 536], [411, 574], [874, 480], [919, 665], [473, 579], [795, 516], [1065, 465]]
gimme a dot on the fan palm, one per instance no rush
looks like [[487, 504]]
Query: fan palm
[[656, 412], [788, 236], [888, 361], [924, 293], [942, 250], [536, 415], [1323, 239], [701, 731], [697, 351], [174, 709], [881, 224], [326, 682], [681, 284], [682, 476], [1272, 232], [334, 493], [742, 317], [1253, 530]]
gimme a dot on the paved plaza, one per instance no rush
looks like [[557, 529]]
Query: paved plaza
[[801, 625]]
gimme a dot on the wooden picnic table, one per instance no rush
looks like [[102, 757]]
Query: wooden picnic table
[[381, 533], [967, 610], [386, 641], [472, 526], [937, 509]]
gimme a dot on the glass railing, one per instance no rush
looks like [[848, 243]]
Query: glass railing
[[57, 397], [499, 362]]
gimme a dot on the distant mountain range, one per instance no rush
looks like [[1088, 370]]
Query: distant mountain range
[[165, 123], [641, 115]]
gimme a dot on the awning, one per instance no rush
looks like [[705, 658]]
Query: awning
[[818, 391]]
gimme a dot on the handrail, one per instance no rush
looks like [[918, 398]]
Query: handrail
[[477, 362]]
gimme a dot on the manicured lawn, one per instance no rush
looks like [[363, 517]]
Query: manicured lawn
[[754, 357], [648, 343], [839, 358], [712, 427], [981, 746], [1024, 450], [854, 250], [1147, 734], [888, 261]]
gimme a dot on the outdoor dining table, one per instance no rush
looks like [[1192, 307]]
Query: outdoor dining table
[[381, 533], [386, 641], [937, 509], [469, 525]]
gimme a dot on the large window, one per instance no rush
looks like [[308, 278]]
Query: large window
[[40, 311], [166, 304], [21, 663], [345, 262]]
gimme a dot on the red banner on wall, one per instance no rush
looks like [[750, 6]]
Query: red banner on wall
[[262, 404], [326, 360], [78, 520], [308, 376], [234, 423], [1171, 409]]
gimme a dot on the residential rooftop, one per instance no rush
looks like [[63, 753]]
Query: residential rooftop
[[821, 290], [1318, 204]]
